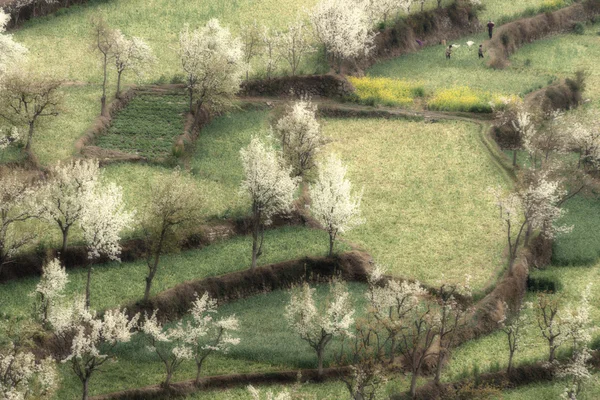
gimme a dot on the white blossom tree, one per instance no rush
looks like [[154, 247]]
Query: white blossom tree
[[578, 372], [344, 31], [316, 323], [205, 334], [577, 321], [11, 52], [15, 207], [333, 204], [90, 338], [102, 221], [584, 133], [213, 63], [300, 136], [534, 206], [268, 184], [22, 377], [130, 54], [173, 205], [49, 289], [63, 198], [294, 45], [170, 344], [381, 10]]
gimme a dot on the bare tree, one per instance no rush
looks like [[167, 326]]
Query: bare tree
[[26, 97], [294, 45], [251, 43], [549, 322], [104, 42]]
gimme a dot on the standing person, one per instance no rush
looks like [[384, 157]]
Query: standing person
[[449, 52], [480, 51], [490, 26]]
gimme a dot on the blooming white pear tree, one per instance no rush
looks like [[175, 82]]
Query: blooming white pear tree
[[16, 206], [584, 135], [102, 221], [11, 52], [130, 54], [317, 323], [50, 288], [300, 136], [205, 334], [294, 45], [63, 198], [345, 31], [22, 377], [268, 184], [577, 370], [91, 338], [212, 60], [173, 205], [333, 204]]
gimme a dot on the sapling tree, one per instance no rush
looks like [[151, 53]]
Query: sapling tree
[[50, 289], [270, 41], [63, 197], [549, 322], [130, 54], [11, 51], [294, 45], [250, 34], [212, 60], [512, 326], [343, 30], [333, 204], [90, 338], [170, 344], [363, 353], [300, 136], [205, 334], [268, 184], [15, 208], [172, 206], [103, 37], [26, 98], [317, 323], [102, 221], [390, 302]]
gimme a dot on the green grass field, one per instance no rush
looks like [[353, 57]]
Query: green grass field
[[148, 126], [427, 212], [116, 284]]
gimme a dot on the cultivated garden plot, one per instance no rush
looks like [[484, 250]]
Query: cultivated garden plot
[[310, 199]]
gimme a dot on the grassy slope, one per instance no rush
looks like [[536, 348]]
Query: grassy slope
[[534, 66], [267, 343], [115, 284], [428, 215]]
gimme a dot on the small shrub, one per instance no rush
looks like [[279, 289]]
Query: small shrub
[[579, 28], [528, 62], [543, 284]]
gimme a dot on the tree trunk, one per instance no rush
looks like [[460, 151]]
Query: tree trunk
[[150, 278], [413, 384], [167, 381], [30, 136], [510, 361], [85, 388], [393, 351], [552, 351], [320, 362], [198, 370], [118, 95], [103, 98], [65, 237], [438, 367], [331, 243], [87, 286]]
